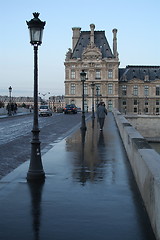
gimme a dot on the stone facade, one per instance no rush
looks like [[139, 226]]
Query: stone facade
[[91, 52], [139, 90], [132, 90]]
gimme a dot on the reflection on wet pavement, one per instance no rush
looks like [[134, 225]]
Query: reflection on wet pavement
[[89, 193], [95, 153]]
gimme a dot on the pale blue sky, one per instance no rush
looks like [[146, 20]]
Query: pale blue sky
[[138, 24]]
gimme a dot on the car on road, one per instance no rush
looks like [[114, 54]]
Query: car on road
[[44, 110], [70, 108]]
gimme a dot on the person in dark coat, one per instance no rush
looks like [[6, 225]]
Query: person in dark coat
[[101, 113]]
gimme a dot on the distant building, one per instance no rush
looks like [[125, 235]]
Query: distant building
[[56, 102], [134, 89], [139, 89]]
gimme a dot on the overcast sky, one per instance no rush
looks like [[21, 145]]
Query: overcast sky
[[138, 24]]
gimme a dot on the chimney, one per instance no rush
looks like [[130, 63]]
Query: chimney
[[76, 35], [115, 42], [92, 27]]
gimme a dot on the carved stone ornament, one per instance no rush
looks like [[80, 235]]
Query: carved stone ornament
[[69, 54], [91, 52]]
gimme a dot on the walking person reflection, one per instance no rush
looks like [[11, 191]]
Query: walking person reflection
[[101, 113]]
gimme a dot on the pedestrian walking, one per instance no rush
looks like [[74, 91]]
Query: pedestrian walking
[[15, 108], [101, 113]]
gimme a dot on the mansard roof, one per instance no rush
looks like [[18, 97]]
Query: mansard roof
[[144, 73], [99, 40]]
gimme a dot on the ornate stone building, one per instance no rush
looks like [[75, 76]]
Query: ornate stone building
[[91, 52], [134, 89]]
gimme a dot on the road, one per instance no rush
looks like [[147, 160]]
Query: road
[[15, 137]]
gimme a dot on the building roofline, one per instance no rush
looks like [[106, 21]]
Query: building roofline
[[142, 66]]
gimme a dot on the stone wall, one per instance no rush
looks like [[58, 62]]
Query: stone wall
[[145, 163], [147, 125]]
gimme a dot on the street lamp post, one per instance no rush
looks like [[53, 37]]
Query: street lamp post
[[92, 86], [35, 172], [97, 89], [9, 109], [83, 79]]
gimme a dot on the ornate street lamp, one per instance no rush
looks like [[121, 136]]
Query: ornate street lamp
[[9, 109], [43, 101], [92, 86], [83, 79], [35, 171]]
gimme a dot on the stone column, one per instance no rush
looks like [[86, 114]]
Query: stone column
[[115, 42]]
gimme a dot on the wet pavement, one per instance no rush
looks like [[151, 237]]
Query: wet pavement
[[89, 193]]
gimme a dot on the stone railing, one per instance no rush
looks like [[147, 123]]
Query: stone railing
[[145, 163], [3, 111]]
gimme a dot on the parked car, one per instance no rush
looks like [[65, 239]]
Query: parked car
[[70, 108], [44, 110]]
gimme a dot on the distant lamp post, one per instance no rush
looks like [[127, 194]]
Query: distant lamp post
[[92, 86], [44, 94], [35, 172], [9, 109], [83, 79]]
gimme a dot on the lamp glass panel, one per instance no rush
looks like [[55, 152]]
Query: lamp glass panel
[[36, 35]]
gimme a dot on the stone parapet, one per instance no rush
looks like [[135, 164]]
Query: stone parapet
[[145, 163]]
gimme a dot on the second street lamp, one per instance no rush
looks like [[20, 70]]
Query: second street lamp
[[83, 79], [9, 109], [35, 172], [97, 91], [92, 86]]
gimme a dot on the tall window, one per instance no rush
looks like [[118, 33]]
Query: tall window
[[110, 73], [135, 102], [85, 89], [157, 90], [110, 104], [124, 90], [73, 74], [98, 74], [86, 75], [146, 90], [146, 101], [157, 102], [135, 90], [110, 88], [85, 105], [124, 102], [73, 89]]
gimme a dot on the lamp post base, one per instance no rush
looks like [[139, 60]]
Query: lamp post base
[[37, 176], [35, 172]]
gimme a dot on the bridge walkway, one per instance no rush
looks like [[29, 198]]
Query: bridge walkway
[[89, 192]]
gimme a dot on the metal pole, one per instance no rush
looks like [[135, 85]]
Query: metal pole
[[10, 90], [83, 126], [35, 171], [97, 95], [92, 86]]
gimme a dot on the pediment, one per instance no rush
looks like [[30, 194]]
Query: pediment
[[91, 52]]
